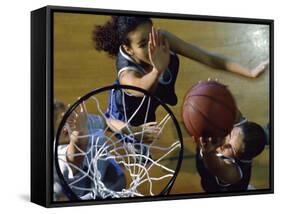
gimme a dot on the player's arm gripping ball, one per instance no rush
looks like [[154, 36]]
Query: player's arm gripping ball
[[224, 170]]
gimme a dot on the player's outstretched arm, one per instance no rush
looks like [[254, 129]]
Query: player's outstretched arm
[[211, 59]]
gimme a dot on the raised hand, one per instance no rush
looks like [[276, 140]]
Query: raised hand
[[158, 50], [78, 119], [262, 67], [148, 132], [77, 122]]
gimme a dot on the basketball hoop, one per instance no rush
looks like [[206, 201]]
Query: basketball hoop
[[115, 164]]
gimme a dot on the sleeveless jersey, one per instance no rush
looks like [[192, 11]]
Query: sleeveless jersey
[[165, 91]]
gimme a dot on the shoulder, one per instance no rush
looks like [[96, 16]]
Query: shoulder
[[125, 63]]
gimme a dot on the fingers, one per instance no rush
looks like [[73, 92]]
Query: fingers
[[153, 37], [151, 132], [157, 39], [150, 48], [166, 44], [210, 79], [150, 42], [203, 142], [73, 113], [265, 63], [152, 129], [83, 108], [150, 38], [74, 135], [151, 137], [71, 117], [151, 126], [153, 123], [64, 131], [262, 67], [196, 140]]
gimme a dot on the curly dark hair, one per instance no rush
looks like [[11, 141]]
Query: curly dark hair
[[254, 140], [113, 33]]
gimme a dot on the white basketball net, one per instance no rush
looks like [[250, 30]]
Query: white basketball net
[[144, 165]]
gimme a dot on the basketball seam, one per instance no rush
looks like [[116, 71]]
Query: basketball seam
[[213, 99], [208, 121]]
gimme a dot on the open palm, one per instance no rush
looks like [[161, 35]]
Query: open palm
[[158, 50]]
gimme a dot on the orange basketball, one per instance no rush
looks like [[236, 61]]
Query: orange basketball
[[209, 110]]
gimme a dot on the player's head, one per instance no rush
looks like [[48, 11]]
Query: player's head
[[129, 32], [246, 141]]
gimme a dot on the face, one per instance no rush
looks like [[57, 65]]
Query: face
[[233, 145], [139, 38]]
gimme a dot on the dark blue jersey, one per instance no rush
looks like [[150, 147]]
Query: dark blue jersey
[[140, 110], [211, 184]]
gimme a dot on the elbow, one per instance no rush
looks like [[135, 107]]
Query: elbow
[[134, 92], [141, 83], [142, 86]]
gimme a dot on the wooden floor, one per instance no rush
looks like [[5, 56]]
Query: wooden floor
[[78, 69]]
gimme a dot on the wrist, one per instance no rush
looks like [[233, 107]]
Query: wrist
[[207, 153], [156, 71], [127, 129], [76, 139]]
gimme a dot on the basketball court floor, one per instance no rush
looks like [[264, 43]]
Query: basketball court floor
[[79, 68]]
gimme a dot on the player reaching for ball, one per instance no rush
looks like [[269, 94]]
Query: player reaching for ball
[[147, 58], [225, 164], [224, 153]]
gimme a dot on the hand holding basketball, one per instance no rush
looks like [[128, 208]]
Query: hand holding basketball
[[209, 110], [210, 144]]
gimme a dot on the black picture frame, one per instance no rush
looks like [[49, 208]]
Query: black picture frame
[[42, 68]]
